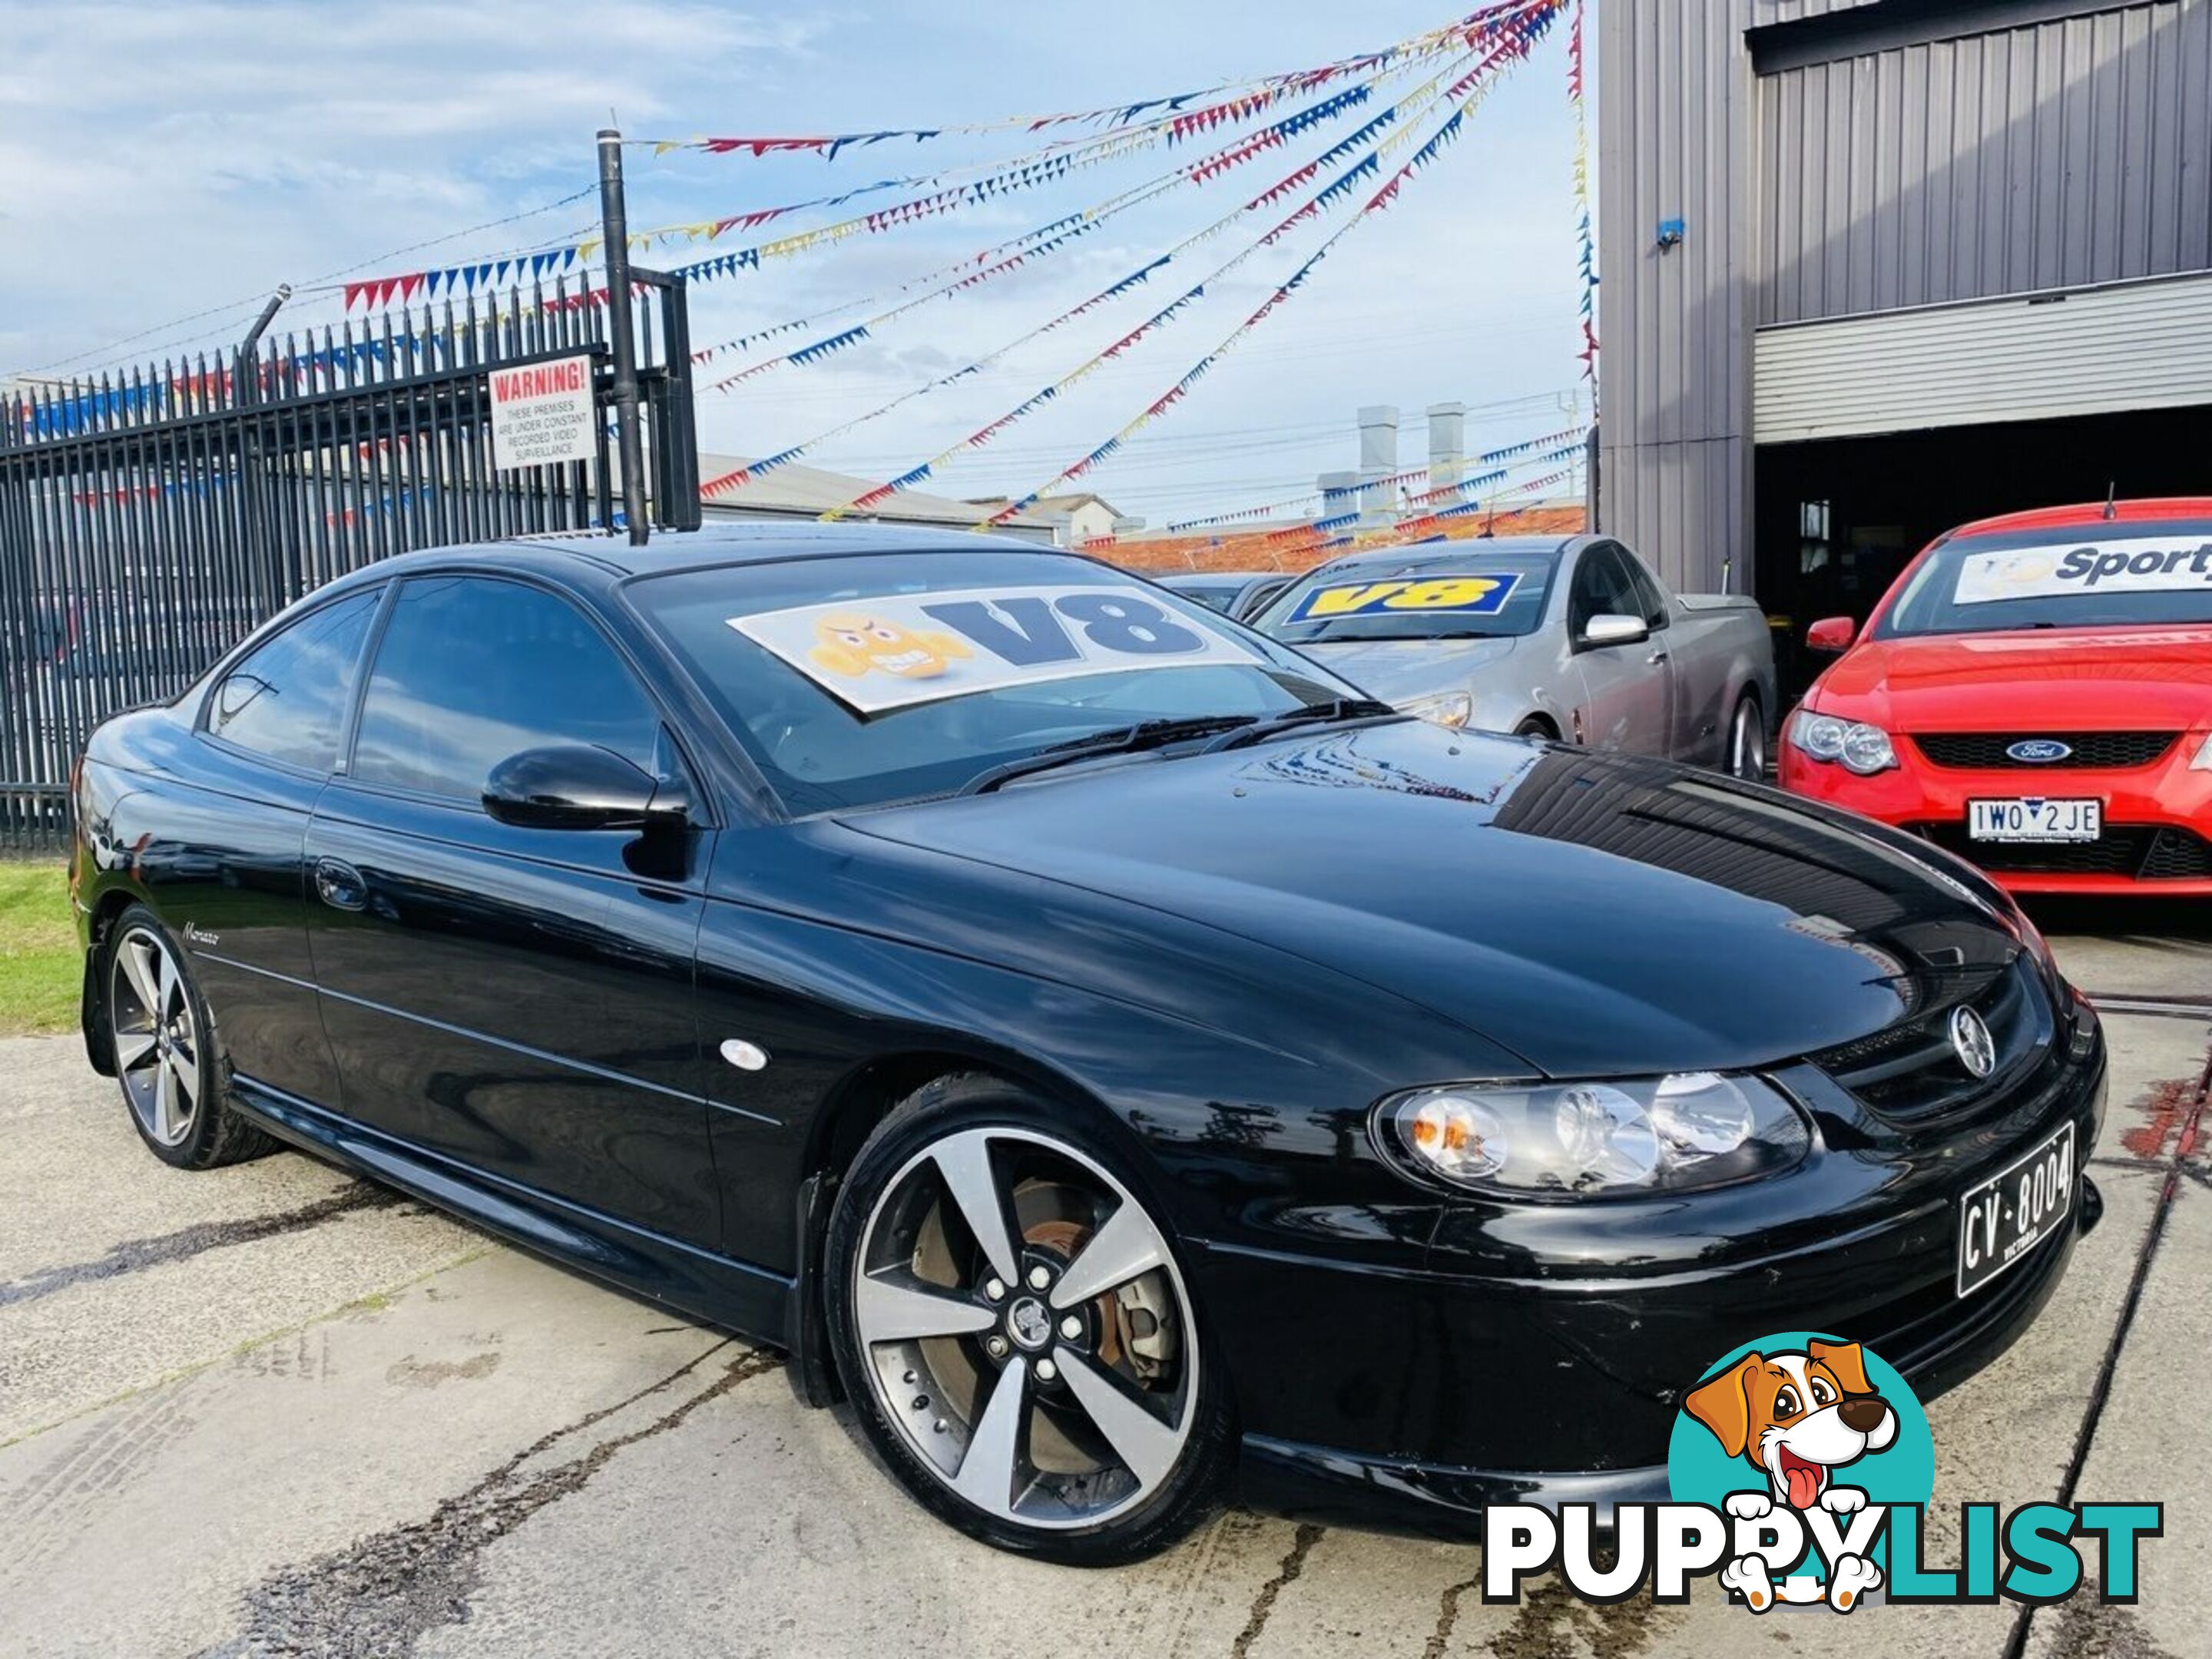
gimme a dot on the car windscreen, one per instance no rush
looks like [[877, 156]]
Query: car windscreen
[[2120, 573], [856, 680], [1470, 594]]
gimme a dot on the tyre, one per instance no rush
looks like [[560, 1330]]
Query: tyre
[[1015, 1332], [1746, 755], [1536, 727], [166, 1056]]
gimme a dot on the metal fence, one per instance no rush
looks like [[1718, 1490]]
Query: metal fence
[[150, 520]]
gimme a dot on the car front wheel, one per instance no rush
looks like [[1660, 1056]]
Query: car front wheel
[[167, 1057], [1013, 1328]]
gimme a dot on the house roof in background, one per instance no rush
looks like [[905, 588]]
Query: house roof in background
[[797, 491], [1048, 507]]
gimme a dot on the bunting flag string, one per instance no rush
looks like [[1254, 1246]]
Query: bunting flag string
[[1266, 138], [983, 185], [1336, 190], [914, 476], [1514, 42], [375, 292], [1588, 248], [1408, 527], [1261, 92], [969, 279], [1015, 253], [1531, 451], [1031, 172]]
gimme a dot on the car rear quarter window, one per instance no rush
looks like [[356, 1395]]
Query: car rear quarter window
[[473, 669], [287, 698]]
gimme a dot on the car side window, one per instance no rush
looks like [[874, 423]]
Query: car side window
[[287, 699], [473, 669], [1650, 600], [1601, 588]]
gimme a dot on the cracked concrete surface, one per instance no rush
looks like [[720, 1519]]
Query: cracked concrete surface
[[274, 1410]]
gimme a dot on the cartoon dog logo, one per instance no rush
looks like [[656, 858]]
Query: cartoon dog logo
[[1797, 1417], [854, 643]]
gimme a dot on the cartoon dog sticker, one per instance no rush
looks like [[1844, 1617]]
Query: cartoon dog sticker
[[1797, 1417], [853, 644]]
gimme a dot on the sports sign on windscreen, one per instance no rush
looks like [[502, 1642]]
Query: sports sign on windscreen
[[2138, 564], [900, 649]]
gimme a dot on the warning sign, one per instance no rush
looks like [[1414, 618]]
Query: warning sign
[[543, 414]]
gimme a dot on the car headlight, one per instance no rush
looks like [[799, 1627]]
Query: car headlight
[[1451, 708], [1667, 1134], [2203, 761], [1865, 750]]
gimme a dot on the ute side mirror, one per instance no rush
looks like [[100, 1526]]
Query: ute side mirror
[[579, 786], [1607, 629], [1831, 633]]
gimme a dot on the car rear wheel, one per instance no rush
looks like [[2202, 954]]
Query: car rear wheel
[[1747, 741], [166, 1056], [1011, 1324]]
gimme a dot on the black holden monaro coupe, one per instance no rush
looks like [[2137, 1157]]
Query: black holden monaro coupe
[[1099, 1042]]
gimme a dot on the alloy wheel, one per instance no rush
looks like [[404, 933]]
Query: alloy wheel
[[1024, 1325], [155, 1037]]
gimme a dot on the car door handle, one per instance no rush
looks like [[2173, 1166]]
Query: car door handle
[[340, 885], [1656, 657]]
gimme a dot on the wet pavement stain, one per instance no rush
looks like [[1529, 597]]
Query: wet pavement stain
[[382, 1593], [1263, 1604], [1448, 1618], [2089, 1629], [413, 1373], [2166, 1106], [1553, 1623], [136, 1254]]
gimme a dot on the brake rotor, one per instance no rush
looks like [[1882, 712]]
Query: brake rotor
[[1065, 1239]]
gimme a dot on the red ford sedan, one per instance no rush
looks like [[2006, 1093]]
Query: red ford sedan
[[2034, 694]]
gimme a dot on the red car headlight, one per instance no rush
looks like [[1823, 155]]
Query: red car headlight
[[1864, 749]]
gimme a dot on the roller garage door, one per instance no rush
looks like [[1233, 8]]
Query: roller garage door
[[2103, 349]]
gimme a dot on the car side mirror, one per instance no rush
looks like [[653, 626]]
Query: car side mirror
[[1607, 629], [578, 786], [1831, 633]]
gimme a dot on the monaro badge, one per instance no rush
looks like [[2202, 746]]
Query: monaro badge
[[2040, 751]]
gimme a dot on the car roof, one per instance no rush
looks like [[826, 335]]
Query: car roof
[[719, 544], [2154, 508]]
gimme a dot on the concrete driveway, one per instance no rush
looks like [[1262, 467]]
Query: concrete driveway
[[275, 1410]]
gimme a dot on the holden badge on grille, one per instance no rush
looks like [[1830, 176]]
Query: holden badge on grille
[[1977, 1048]]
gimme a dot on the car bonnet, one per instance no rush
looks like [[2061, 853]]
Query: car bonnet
[[1596, 915]]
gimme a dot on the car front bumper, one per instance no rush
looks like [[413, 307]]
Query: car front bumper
[[2158, 818], [1408, 1398]]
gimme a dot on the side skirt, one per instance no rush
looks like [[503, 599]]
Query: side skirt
[[755, 1304]]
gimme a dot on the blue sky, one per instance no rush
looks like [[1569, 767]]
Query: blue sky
[[164, 158]]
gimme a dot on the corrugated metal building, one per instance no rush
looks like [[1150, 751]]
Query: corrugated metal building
[[1937, 258]]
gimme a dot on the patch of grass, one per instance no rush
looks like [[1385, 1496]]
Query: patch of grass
[[40, 974]]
